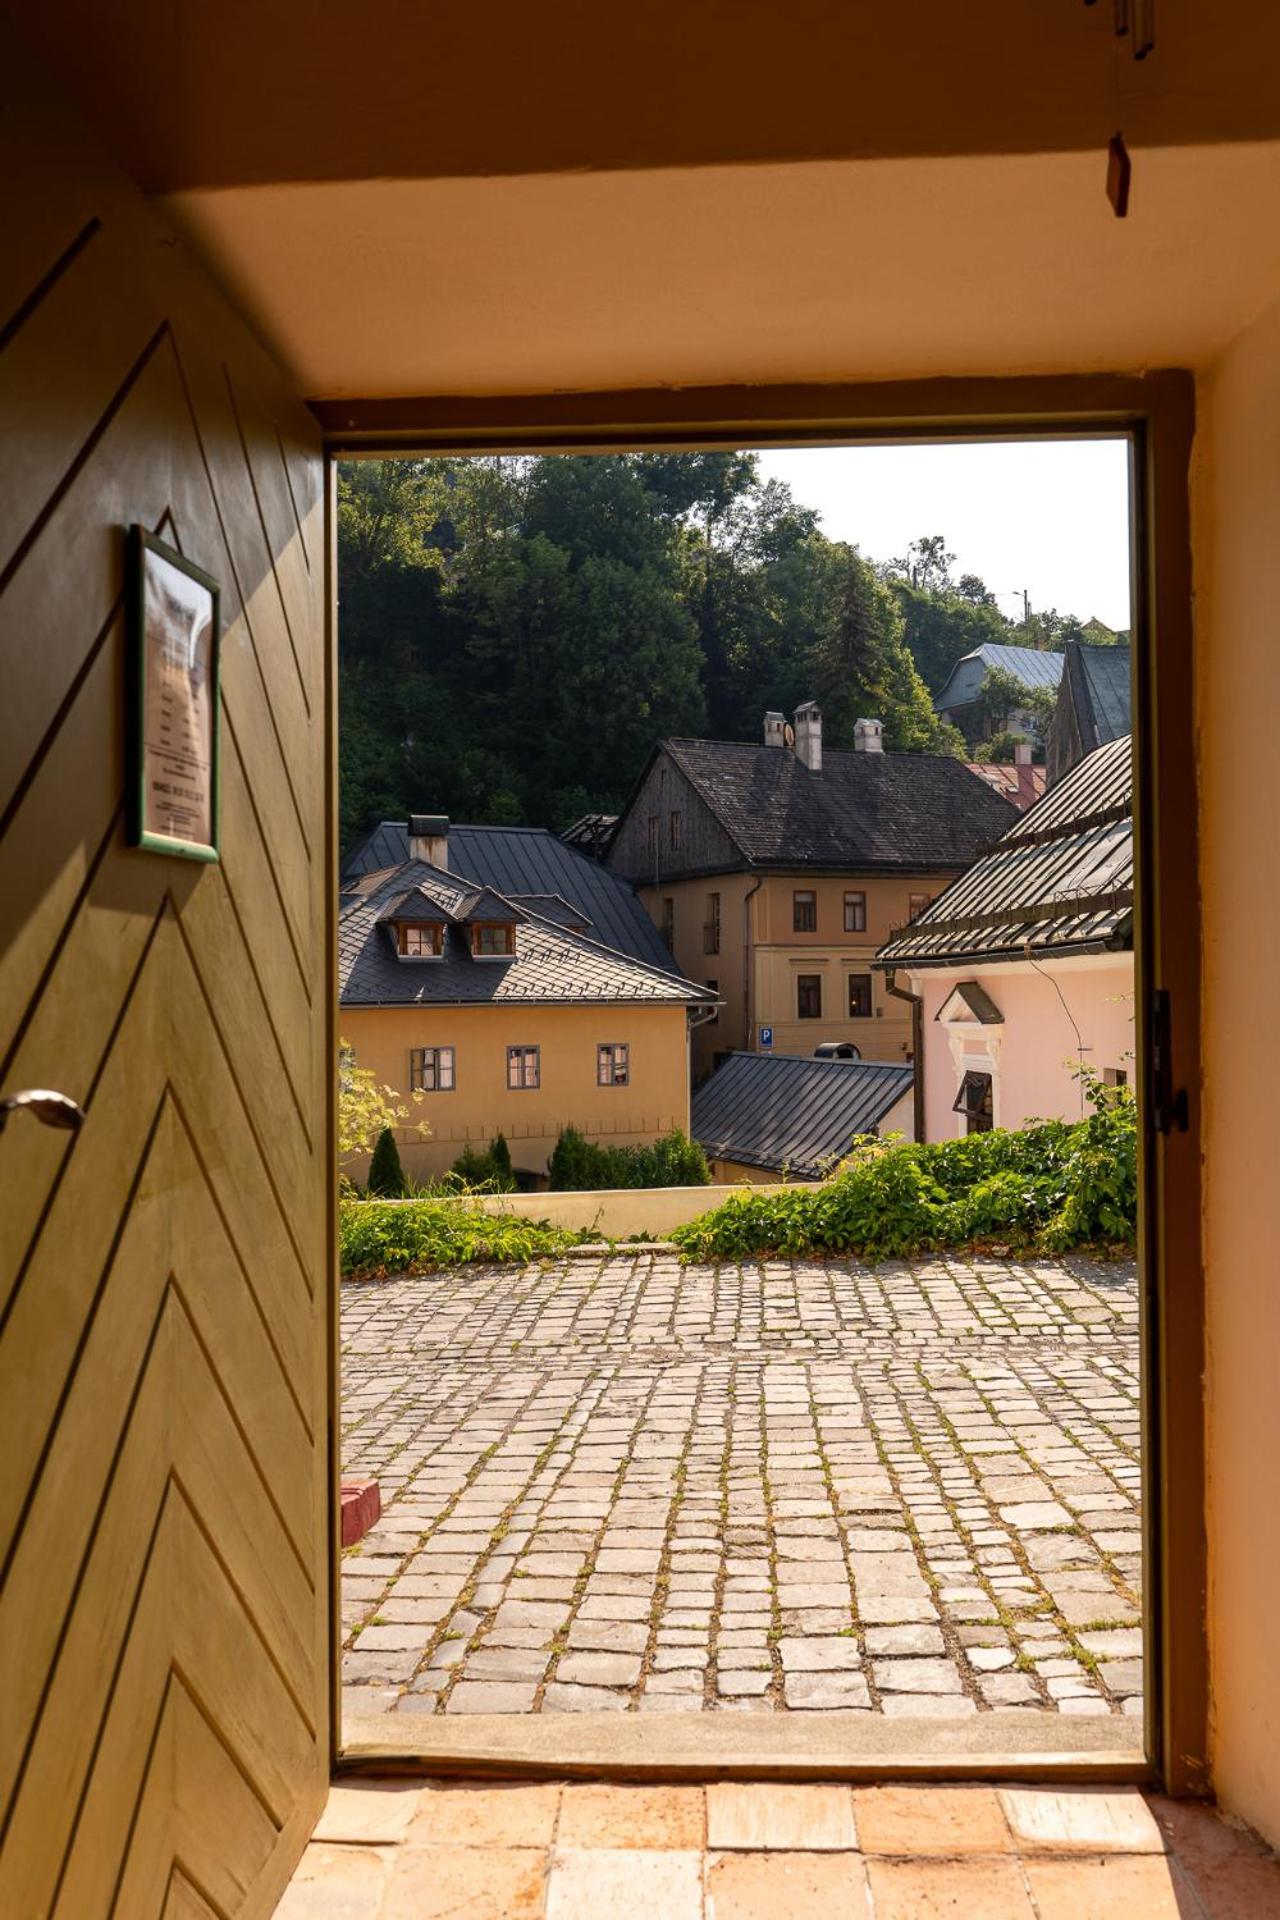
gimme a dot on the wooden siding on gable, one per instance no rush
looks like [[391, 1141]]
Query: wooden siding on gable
[[704, 846], [164, 1282]]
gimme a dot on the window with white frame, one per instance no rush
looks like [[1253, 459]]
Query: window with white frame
[[524, 1068], [431, 1070], [613, 1064]]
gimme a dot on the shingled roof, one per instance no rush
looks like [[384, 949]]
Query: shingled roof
[[552, 963], [1061, 880], [782, 1111], [1094, 704], [523, 862], [863, 811]]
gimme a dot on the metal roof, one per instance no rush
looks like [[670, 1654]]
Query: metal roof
[[1061, 880], [783, 1111], [524, 861], [922, 811], [552, 963]]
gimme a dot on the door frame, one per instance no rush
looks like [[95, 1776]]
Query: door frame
[[1156, 412]]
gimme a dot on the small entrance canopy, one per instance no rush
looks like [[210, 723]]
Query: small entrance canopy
[[968, 1003]]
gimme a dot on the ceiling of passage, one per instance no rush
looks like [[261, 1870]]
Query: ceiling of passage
[[816, 272]]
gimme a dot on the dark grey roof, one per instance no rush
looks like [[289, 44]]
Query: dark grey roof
[[552, 963], [1105, 686], [921, 811], [777, 1110], [520, 861], [1061, 880]]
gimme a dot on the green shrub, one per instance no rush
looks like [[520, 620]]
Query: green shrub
[[386, 1175], [1046, 1188], [486, 1172], [674, 1161], [378, 1237]]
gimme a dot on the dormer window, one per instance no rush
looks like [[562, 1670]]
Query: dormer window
[[419, 940], [493, 939]]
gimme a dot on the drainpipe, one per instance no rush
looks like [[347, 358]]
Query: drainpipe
[[916, 1003], [747, 1008]]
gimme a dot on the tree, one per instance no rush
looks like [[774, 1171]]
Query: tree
[[365, 1108], [1004, 696], [926, 564], [386, 1175]]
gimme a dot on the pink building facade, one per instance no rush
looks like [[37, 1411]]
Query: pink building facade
[[1055, 1014]]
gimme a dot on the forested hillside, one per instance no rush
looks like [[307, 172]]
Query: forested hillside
[[516, 632]]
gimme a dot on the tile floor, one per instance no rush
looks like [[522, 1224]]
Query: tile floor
[[387, 1850], [620, 1485]]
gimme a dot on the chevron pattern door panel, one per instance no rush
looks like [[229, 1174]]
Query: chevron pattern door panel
[[164, 1273]]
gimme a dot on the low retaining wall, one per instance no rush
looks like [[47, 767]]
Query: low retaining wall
[[618, 1213]]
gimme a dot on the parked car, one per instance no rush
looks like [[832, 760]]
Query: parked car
[[837, 1050]]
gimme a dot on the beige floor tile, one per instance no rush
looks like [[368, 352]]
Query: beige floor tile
[[466, 1883], [369, 1811], [1085, 1819], [603, 1882], [792, 1819], [1116, 1886], [602, 1816], [513, 1814], [786, 1886], [930, 1820], [988, 1889], [337, 1883]]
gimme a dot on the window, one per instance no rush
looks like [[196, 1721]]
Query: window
[[711, 930], [431, 1070], [809, 996], [713, 986], [613, 1065], [916, 904], [804, 912], [524, 1068], [416, 941], [860, 996], [1115, 1076], [974, 1101], [855, 913], [669, 921], [493, 940], [674, 828]]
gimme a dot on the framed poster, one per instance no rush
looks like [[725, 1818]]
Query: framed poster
[[173, 643]]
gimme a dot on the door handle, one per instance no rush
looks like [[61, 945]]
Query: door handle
[[53, 1109]]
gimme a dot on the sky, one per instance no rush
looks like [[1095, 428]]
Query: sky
[[1050, 516]]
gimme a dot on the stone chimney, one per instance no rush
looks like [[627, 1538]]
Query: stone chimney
[[1022, 753], [775, 729], [868, 736], [809, 735], [429, 838]]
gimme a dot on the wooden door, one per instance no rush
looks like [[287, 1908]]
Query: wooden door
[[164, 1286]]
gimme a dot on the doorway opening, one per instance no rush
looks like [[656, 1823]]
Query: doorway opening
[[849, 1504]]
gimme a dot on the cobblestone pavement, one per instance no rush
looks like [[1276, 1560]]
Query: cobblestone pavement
[[623, 1485]]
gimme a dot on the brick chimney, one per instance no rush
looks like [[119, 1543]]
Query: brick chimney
[[868, 736], [775, 729], [429, 838], [1022, 753], [809, 736]]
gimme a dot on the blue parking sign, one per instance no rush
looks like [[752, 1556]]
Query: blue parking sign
[[766, 1036]]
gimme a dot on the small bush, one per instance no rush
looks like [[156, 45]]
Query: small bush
[[674, 1161], [485, 1172], [419, 1236], [1046, 1188], [386, 1174]]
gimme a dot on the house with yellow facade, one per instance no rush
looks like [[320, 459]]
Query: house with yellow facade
[[506, 1012], [775, 872]]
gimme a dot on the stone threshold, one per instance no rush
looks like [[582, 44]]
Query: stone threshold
[[840, 1746]]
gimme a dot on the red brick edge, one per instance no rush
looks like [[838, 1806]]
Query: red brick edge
[[361, 1509]]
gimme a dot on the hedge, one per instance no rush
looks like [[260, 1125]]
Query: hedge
[[578, 1166], [378, 1237], [1046, 1188]]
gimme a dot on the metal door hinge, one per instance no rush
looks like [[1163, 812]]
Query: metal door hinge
[[1168, 1107]]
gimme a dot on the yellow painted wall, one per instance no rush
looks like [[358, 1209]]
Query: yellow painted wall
[[1237, 558], [779, 954], [655, 1101]]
